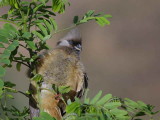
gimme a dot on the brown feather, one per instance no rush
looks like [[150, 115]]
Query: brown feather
[[61, 67]]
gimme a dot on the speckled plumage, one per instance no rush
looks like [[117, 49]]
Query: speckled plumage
[[61, 67]]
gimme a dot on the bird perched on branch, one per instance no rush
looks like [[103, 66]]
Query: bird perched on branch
[[61, 67]]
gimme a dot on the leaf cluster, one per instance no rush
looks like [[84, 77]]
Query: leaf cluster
[[10, 112], [44, 116], [107, 107], [100, 18], [29, 25], [16, 114]]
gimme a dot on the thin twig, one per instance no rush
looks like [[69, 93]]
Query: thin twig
[[23, 46], [16, 91], [21, 63], [73, 26]]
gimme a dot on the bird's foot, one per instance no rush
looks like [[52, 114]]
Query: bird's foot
[[58, 96]]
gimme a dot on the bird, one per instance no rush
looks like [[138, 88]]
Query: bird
[[61, 67]]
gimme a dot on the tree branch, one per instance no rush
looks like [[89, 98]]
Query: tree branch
[[16, 91], [68, 28], [23, 46], [21, 63]]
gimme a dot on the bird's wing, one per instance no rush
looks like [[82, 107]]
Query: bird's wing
[[84, 86]]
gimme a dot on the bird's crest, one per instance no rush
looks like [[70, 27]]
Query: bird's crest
[[74, 35]]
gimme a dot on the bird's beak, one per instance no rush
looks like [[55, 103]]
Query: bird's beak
[[78, 47]]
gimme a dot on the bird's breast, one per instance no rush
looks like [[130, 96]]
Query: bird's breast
[[61, 69]]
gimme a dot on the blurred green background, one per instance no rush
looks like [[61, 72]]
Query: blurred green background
[[122, 59]]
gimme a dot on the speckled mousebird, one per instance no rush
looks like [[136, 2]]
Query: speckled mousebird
[[62, 67]]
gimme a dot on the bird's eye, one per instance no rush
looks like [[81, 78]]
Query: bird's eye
[[70, 42], [58, 42]]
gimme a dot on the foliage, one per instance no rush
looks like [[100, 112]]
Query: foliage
[[44, 116], [28, 26], [107, 107]]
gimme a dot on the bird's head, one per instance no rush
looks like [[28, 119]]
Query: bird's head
[[72, 40]]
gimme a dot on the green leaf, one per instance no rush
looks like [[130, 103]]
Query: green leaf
[[37, 21], [11, 47], [54, 24], [64, 89], [15, 43], [5, 61], [83, 21], [75, 20], [7, 52], [44, 116], [48, 25], [1, 45], [90, 13], [59, 5], [2, 71], [10, 96], [43, 1], [3, 39], [96, 98], [107, 16], [5, 16], [102, 21], [43, 14], [118, 112], [5, 33], [27, 35], [25, 2], [43, 29], [13, 3], [48, 12], [72, 107], [46, 38], [86, 100], [131, 103], [37, 78], [38, 7], [112, 105], [9, 84], [142, 103], [10, 28], [104, 99], [1, 92], [18, 66], [16, 5], [3, 56], [38, 35], [31, 45], [1, 84]]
